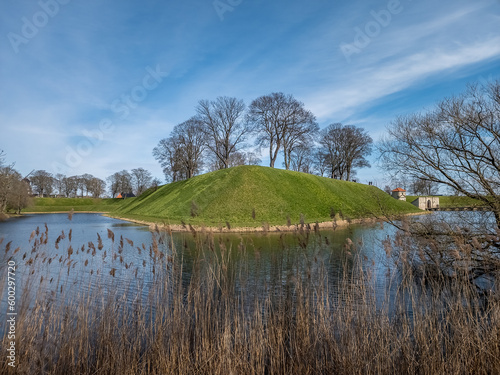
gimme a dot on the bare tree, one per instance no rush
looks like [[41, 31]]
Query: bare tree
[[190, 139], [180, 155], [5, 181], [457, 145], [8, 177], [14, 190], [281, 122], [86, 181], [358, 145], [320, 161], [155, 183], [421, 186], [302, 159], [80, 185], [344, 148], [59, 183], [141, 180], [265, 113], [70, 186], [168, 155], [120, 182], [299, 130], [96, 187], [19, 195], [223, 126], [42, 182]]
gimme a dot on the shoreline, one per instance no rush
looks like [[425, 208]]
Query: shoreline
[[64, 212], [332, 225], [329, 225]]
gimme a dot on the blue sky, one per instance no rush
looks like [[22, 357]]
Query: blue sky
[[91, 87]]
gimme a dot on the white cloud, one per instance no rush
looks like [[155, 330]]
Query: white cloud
[[381, 80]]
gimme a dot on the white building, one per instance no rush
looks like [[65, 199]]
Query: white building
[[399, 194], [426, 203]]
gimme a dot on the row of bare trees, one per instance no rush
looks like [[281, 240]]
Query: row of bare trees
[[137, 181], [213, 139], [15, 190], [217, 138], [44, 183]]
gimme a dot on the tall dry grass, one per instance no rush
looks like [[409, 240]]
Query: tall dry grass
[[222, 317]]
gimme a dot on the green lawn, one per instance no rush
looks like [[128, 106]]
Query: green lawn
[[452, 201], [77, 204]]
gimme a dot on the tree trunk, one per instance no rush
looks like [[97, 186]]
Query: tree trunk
[[286, 155], [273, 155]]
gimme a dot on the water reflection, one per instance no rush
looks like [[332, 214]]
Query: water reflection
[[96, 254]]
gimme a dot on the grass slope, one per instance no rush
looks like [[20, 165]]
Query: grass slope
[[231, 195], [77, 204]]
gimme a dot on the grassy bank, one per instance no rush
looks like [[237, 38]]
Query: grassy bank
[[248, 196], [452, 201], [47, 205], [302, 322]]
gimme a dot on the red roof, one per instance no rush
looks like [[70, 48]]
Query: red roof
[[399, 189]]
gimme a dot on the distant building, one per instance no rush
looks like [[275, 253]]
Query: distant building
[[426, 203], [399, 194], [125, 195]]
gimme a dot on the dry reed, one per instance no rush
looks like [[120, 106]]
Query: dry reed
[[226, 319]]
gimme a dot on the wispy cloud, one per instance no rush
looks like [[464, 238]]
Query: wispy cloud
[[379, 81]]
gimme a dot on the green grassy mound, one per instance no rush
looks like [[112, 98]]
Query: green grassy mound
[[252, 195]]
